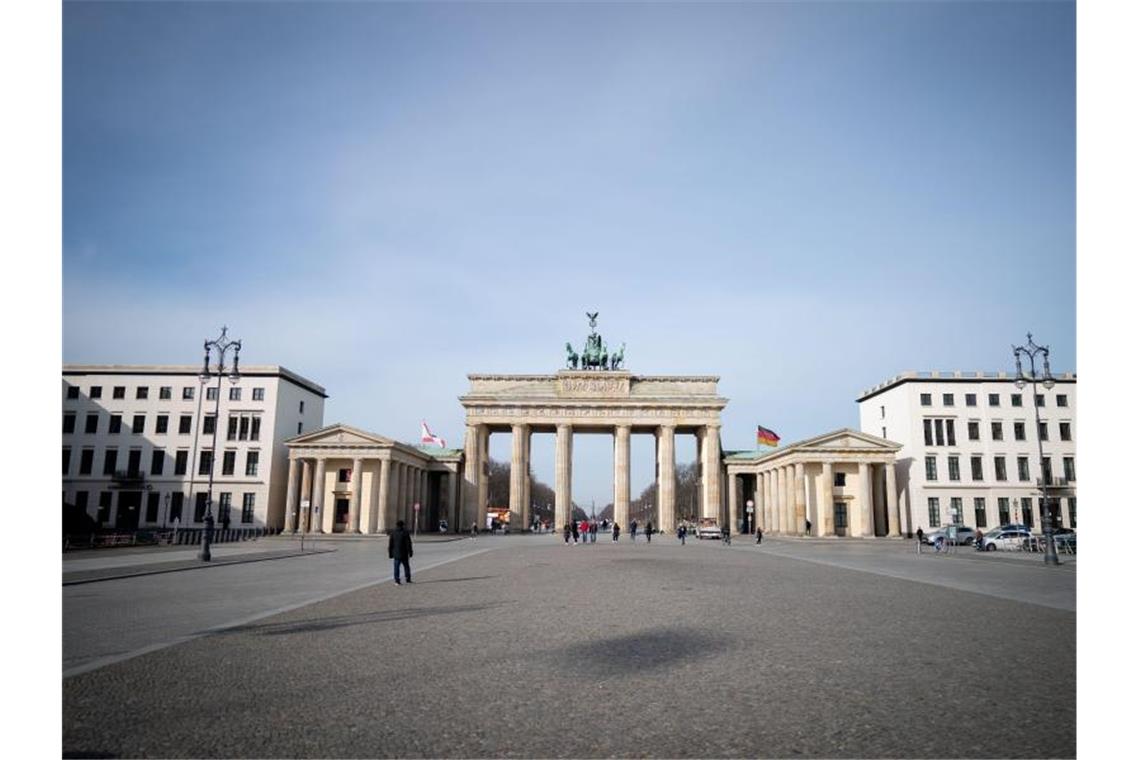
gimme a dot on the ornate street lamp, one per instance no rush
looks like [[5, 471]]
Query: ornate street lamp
[[221, 345], [1031, 351]]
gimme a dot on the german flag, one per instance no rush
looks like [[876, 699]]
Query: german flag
[[765, 437]]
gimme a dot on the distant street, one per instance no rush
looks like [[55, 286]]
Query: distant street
[[521, 646]]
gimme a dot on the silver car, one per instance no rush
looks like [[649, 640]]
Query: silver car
[[1007, 537]]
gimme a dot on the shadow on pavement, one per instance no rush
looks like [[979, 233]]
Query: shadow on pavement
[[456, 580], [341, 621], [638, 651]]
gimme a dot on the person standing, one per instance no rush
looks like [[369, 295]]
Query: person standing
[[593, 532], [617, 531], [648, 531], [574, 530], [633, 530], [681, 534], [400, 551], [759, 535]]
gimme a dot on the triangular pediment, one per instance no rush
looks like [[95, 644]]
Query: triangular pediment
[[847, 439], [340, 433]]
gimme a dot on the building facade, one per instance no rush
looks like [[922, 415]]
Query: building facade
[[138, 443], [969, 447]]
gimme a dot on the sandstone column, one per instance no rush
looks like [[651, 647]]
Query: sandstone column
[[471, 469], [781, 498], [800, 499], [733, 518], [827, 507], [421, 517], [790, 499], [305, 517], [562, 471], [711, 452], [892, 502], [354, 503], [621, 474], [866, 526], [667, 477], [384, 501], [319, 495], [291, 505], [483, 484], [518, 474], [758, 502], [771, 523], [526, 513], [457, 525]]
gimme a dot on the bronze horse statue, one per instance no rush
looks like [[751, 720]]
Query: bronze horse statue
[[571, 357]]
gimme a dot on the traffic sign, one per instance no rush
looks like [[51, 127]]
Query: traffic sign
[[416, 506]]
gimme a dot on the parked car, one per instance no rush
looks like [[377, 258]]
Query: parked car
[[1065, 538], [962, 535], [1005, 537], [708, 528]]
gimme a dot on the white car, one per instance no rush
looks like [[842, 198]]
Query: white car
[[1007, 537], [708, 528]]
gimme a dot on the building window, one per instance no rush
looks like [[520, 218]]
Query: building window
[[247, 507], [947, 399], [251, 458], [956, 510], [224, 508], [228, 460], [1047, 470], [931, 468], [955, 473], [157, 461], [999, 468], [212, 393], [255, 429], [928, 432], [950, 439], [104, 512], [840, 480], [258, 394], [142, 392], [980, 511], [995, 399], [209, 422], [840, 515], [181, 459], [1073, 512], [1066, 431], [164, 393], [235, 394], [134, 462], [81, 501], [119, 391], [188, 393], [1019, 431], [231, 428], [976, 469], [1015, 399], [243, 432], [882, 412], [152, 506], [298, 428], [1062, 399], [184, 423], [344, 475], [92, 424], [1070, 469], [972, 430], [205, 462], [1003, 510], [1023, 469], [301, 408], [66, 460], [116, 424], [971, 399], [939, 437], [69, 423], [110, 461], [933, 511], [138, 424], [73, 391], [160, 424], [96, 391], [995, 430], [176, 500], [199, 506], [1039, 399], [923, 398], [86, 461], [1027, 511], [1043, 430]]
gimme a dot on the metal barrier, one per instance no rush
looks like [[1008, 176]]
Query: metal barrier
[[181, 536]]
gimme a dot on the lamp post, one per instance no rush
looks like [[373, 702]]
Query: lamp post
[[221, 346], [165, 509], [1031, 351]]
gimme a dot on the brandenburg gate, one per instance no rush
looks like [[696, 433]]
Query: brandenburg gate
[[597, 398]]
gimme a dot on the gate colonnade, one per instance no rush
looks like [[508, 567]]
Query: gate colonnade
[[614, 402], [843, 483], [378, 479]]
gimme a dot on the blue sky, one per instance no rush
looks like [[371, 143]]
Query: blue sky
[[803, 199]]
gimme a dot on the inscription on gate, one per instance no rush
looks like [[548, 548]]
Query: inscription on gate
[[593, 386]]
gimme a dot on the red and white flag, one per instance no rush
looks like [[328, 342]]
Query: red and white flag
[[428, 437]]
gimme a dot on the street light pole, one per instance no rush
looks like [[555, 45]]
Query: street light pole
[[1031, 350], [221, 345]]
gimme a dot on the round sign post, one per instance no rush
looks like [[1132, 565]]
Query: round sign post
[[416, 522], [749, 507]]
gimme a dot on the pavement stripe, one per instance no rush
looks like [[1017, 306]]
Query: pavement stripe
[[103, 662]]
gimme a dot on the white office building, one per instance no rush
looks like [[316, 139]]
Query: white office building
[[139, 443], [969, 447]]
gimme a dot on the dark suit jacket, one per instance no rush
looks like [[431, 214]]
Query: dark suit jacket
[[400, 544]]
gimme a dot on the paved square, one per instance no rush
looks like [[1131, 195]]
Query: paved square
[[536, 649]]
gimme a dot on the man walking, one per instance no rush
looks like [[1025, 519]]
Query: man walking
[[400, 551], [648, 531]]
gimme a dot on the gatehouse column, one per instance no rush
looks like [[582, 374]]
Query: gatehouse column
[[733, 523], [827, 506], [865, 514], [790, 500], [526, 517], [773, 522], [667, 478], [562, 471], [319, 496], [762, 500], [354, 503], [471, 468], [781, 497], [484, 441], [893, 521], [384, 501], [304, 519], [401, 492], [711, 452], [425, 496], [518, 473], [457, 525], [291, 505], [621, 474], [800, 499]]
